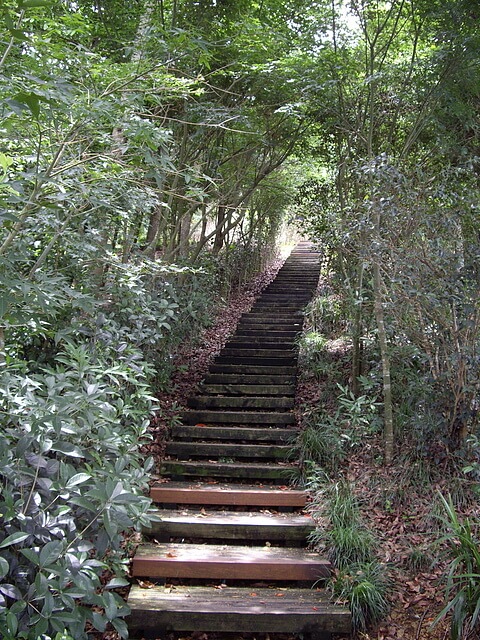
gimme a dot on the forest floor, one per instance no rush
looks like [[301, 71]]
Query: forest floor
[[399, 503]]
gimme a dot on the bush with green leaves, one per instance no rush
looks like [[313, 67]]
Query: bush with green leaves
[[72, 481], [463, 577]]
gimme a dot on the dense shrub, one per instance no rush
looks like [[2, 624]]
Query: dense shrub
[[72, 481]]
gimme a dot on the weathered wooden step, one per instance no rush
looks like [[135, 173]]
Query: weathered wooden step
[[260, 342], [245, 610], [234, 402], [271, 434], [229, 470], [256, 360], [253, 369], [248, 389], [275, 319], [237, 417], [227, 494], [250, 379], [231, 525], [185, 450], [243, 332], [227, 562]]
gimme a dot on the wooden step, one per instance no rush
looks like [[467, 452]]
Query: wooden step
[[261, 333], [227, 389], [253, 369], [275, 320], [262, 343], [243, 610], [185, 450], [228, 495], [249, 379], [242, 402], [230, 470], [237, 417], [227, 562], [256, 360], [270, 434], [231, 525], [256, 352]]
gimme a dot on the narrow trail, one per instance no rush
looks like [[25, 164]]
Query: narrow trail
[[229, 553]]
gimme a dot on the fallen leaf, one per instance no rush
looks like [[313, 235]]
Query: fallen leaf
[[145, 584]]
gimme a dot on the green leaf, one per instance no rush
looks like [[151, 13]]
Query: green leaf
[[35, 3], [121, 627], [116, 583], [51, 552], [4, 567], [15, 538], [31, 100], [31, 555], [68, 449], [77, 479]]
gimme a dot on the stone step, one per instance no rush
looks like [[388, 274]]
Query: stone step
[[209, 450], [227, 562], [248, 389], [238, 402], [229, 470], [228, 494], [241, 434], [230, 525], [155, 611], [237, 417]]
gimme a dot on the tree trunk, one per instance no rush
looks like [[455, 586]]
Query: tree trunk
[[387, 384]]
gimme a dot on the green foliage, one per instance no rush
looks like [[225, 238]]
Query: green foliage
[[365, 588], [73, 480], [320, 441], [347, 540], [463, 577]]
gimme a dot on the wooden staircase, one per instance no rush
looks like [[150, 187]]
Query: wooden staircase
[[229, 552]]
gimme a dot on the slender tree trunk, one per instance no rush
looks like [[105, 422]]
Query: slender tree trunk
[[357, 328], [387, 384]]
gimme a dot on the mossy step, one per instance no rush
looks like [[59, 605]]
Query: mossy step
[[237, 417], [228, 562], [228, 494], [243, 402], [250, 434], [305, 612], [230, 525], [186, 450], [248, 389], [229, 470]]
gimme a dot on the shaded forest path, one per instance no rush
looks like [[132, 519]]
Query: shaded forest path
[[229, 553]]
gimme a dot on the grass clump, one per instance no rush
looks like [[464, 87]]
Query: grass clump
[[463, 577], [365, 587], [360, 580]]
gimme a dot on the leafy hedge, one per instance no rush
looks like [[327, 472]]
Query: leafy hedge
[[72, 481]]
